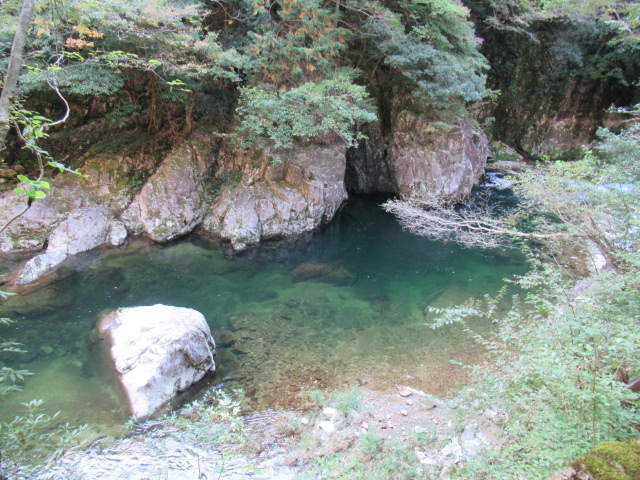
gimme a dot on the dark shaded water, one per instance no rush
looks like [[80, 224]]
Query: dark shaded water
[[342, 306]]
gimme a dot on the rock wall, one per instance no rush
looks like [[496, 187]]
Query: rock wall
[[428, 158], [300, 191], [548, 105], [418, 156], [277, 195], [172, 202], [296, 193], [82, 213]]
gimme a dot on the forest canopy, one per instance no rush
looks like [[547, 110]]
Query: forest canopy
[[150, 64]]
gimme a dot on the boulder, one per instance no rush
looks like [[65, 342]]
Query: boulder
[[157, 351], [429, 158], [171, 203], [418, 155], [300, 192], [83, 230], [32, 229]]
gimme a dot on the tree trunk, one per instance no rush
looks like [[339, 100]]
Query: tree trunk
[[13, 70]]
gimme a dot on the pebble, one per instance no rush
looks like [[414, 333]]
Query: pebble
[[332, 414], [404, 413], [327, 427], [304, 421], [409, 402], [365, 425], [403, 392]]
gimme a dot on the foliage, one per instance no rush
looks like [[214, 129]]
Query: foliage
[[594, 201], [562, 350], [370, 457], [331, 105], [437, 51], [557, 392], [597, 39], [31, 438], [213, 421], [347, 402]]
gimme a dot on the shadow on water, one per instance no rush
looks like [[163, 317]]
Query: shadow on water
[[341, 306]]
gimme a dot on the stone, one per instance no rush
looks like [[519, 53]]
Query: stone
[[418, 156], [117, 233], [453, 449], [300, 193], [310, 271], [472, 442], [171, 203], [332, 414], [430, 160], [226, 339], [157, 351], [404, 392], [84, 229], [327, 427]]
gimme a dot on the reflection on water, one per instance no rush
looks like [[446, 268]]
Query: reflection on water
[[342, 306]]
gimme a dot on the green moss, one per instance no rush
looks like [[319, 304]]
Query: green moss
[[612, 461]]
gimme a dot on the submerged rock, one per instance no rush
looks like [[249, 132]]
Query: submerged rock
[[322, 272], [309, 271], [157, 351]]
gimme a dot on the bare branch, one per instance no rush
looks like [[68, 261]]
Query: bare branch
[[475, 226]]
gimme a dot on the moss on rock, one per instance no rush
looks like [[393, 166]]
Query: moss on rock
[[612, 461]]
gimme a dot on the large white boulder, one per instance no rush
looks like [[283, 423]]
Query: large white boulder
[[157, 351]]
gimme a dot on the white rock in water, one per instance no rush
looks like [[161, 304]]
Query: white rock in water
[[157, 351]]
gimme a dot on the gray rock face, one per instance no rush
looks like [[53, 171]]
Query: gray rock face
[[419, 158], [157, 351], [82, 213], [83, 230], [430, 160], [31, 230], [171, 203], [298, 194]]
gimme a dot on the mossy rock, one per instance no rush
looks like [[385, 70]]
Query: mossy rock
[[612, 461]]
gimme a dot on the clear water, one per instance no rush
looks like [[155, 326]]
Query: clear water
[[360, 323]]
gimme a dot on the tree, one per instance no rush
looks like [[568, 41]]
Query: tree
[[10, 84], [296, 86], [592, 201]]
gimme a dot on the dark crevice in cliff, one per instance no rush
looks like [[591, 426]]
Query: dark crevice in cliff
[[367, 169]]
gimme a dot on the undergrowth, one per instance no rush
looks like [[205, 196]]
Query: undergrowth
[[555, 376]]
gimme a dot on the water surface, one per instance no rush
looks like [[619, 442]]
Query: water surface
[[339, 307]]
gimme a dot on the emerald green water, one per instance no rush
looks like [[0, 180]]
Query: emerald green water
[[282, 331]]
